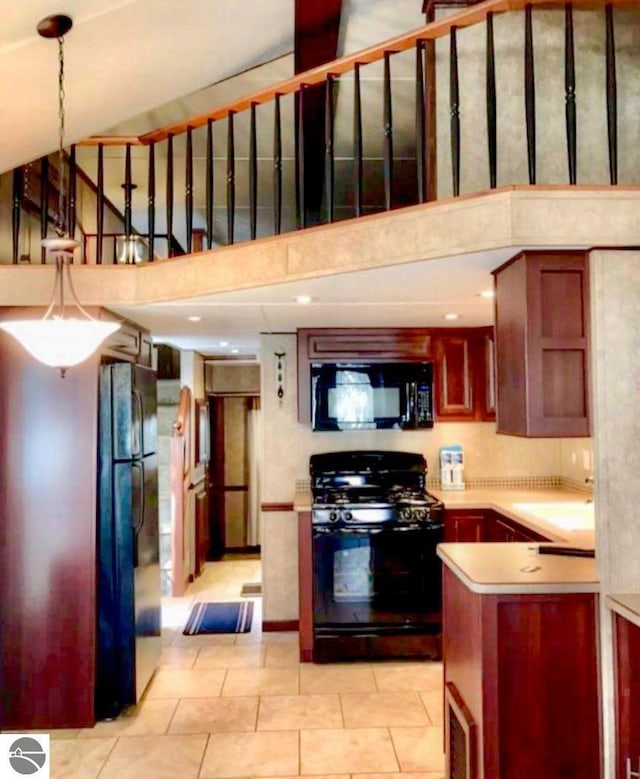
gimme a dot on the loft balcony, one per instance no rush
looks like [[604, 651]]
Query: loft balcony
[[501, 126]]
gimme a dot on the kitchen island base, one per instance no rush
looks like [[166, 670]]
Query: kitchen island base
[[523, 669]]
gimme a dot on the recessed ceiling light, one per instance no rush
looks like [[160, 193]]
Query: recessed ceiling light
[[452, 316], [303, 299], [194, 318], [487, 293], [235, 351], [224, 343]]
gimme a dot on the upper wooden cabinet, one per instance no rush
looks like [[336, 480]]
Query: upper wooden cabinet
[[462, 358], [542, 344], [463, 376]]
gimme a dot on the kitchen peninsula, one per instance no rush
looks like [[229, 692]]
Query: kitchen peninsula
[[520, 646]]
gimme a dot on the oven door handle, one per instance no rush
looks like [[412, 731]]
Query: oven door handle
[[365, 531], [346, 531]]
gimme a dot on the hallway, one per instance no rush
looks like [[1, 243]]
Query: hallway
[[243, 706]]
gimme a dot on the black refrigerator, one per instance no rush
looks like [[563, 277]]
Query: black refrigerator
[[128, 596]]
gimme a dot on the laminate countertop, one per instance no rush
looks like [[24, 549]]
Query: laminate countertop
[[517, 569], [627, 605]]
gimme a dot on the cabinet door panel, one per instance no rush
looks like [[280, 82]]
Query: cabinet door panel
[[464, 525], [542, 331], [454, 396]]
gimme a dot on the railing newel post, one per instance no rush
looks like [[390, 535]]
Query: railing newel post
[[570, 95], [388, 134], [151, 200], [492, 130], [612, 96], [277, 167], [530, 93], [329, 164], [188, 178], [357, 141], [169, 204], [454, 102]]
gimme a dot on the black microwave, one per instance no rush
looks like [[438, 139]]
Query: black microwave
[[371, 396]]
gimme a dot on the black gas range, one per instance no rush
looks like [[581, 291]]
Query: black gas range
[[376, 576], [371, 487]]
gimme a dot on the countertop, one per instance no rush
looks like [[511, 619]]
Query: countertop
[[627, 605], [517, 569]]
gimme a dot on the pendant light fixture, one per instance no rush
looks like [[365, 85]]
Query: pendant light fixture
[[58, 340]]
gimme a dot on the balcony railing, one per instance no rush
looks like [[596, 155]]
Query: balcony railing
[[506, 92]]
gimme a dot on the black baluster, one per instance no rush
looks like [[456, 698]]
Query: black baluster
[[357, 141], [301, 211], [253, 175], [128, 188], [18, 179], [188, 192], [209, 184], [231, 179], [492, 129], [71, 202], [100, 205], [277, 167], [151, 200], [387, 152], [612, 97], [421, 171], [44, 204], [530, 93], [329, 169], [570, 93], [454, 102], [169, 205]]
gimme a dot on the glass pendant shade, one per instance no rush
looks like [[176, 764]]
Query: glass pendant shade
[[60, 343], [58, 340]]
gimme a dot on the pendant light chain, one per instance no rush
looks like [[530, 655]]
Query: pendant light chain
[[61, 221]]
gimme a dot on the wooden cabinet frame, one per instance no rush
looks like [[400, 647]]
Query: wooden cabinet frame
[[442, 346]]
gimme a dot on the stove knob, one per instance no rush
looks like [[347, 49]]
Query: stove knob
[[347, 516], [333, 516]]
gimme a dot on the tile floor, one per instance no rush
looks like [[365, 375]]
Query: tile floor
[[243, 706]]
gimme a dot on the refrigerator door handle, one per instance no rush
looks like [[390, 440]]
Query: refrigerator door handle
[[137, 424], [137, 525]]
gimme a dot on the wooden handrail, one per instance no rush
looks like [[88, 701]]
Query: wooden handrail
[[432, 31]]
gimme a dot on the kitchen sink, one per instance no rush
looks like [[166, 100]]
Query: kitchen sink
[[573, 515]]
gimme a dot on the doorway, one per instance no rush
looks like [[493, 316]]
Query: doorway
[[234, 476]]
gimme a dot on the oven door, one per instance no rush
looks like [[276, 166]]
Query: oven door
[[377, 579]]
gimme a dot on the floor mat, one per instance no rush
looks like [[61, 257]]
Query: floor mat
[[219, 618]]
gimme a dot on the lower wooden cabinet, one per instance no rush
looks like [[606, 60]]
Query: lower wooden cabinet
[[485, 525], [627, 670], [464, 525], [521, 673]]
